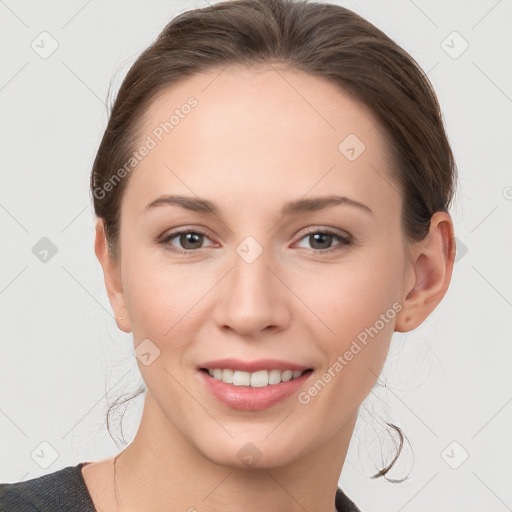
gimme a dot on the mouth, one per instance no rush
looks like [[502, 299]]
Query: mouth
[[257, 379], [256, 390], [253, 385]]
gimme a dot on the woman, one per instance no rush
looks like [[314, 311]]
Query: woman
[[272, 195]]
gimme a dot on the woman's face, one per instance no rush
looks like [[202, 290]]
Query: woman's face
[[317, 285]]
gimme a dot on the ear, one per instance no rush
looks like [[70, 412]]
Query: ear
[[431, 270], [112, 277]]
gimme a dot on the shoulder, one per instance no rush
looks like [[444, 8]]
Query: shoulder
[[60, 491], [344, 503]]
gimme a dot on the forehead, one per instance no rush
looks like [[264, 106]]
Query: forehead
[[256, 129]]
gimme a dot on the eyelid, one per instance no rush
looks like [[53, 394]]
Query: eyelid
[[324, 229], [184, 229]]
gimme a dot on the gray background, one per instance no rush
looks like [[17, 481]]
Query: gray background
[[62, 358]]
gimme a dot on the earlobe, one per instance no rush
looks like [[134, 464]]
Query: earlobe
[[112, 278], [432, 260]]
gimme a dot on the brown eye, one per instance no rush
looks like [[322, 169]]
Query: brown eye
[[190, 240], [185, 241], [322, 241]]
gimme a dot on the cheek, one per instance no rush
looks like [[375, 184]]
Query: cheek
[[359, 309], [162, 299], [350, 296], [357, 305]]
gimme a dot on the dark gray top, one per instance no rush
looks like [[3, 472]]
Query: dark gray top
[[65, 490]]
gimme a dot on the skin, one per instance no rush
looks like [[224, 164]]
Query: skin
[[268, 136]]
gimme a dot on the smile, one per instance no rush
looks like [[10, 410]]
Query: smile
[[258, 379]]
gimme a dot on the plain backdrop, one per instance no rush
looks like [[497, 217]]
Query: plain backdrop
[[62, 358]]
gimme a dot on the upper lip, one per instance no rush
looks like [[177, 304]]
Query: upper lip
[[252, 366]]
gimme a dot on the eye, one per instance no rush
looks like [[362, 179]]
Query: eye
[[189, 240], [321, 240]]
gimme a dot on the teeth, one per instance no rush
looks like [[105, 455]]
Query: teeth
[[257, 379]]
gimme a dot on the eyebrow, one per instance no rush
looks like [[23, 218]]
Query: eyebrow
[[197, 204]]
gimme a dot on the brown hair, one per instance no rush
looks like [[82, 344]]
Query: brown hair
[[324, 40]]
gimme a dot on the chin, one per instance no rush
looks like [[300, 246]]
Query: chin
[[243, 453]]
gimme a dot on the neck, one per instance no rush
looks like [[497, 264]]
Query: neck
[[162, 469]]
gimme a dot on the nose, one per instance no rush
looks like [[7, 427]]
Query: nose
[[252, 299]]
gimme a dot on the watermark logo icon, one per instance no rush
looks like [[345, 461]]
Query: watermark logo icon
[[249, 249], [44, 45], [44, 250], [461, 249], [454, 45], [454, 455], [146, 352], [44, 455], [249, 454], [351, 147]]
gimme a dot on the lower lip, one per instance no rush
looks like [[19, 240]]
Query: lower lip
[[247, 398]]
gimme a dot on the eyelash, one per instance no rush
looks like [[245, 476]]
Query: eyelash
[[344, 241]]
